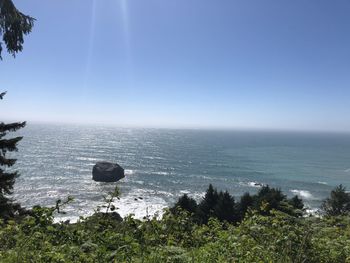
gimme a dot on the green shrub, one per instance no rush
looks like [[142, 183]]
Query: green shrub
[[262, 236]]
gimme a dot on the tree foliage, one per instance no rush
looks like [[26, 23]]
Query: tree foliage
[[338, 203], [186, 203], [7, 179], [14, 25], [276, 237], [222, 205]]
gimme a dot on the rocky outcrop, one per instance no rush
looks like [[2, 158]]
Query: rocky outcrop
[[107, 172]]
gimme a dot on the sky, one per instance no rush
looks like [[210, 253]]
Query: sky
[[233, 64]]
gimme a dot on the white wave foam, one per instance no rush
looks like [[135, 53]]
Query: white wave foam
[[322, 183], [255, 184], [198, 195], [165, 193], [128, 172], [252, 184], [195, 195], [71, 219], [141, 205], [303, 193], [347, 170], [53, 193], [153, 158], [87, 159], [312, 211], [161, 173]]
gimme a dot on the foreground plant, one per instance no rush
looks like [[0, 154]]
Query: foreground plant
[[263, 235], [14, 25], [8, 208]]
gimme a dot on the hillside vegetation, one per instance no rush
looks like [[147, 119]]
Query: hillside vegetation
[[269, 233]]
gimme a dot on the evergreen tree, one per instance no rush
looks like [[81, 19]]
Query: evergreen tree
[[272, 197], [186, 203], [13, 26], [297, 203], [222, 205], [7, 179], [207, 205], [338, 203], [246, 202], [225, 209]]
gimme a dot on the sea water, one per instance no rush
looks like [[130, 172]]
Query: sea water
[[55, 161]]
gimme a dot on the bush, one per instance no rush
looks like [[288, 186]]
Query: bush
[[338, 203], [275, 236]]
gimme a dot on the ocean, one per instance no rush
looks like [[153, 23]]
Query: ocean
[[55, 161]]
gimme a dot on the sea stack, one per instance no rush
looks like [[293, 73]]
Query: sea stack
[[107, 172]]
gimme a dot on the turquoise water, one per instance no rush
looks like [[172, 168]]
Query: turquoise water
[[56, 161]]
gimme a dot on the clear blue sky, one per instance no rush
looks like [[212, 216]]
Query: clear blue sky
[[184, 63]]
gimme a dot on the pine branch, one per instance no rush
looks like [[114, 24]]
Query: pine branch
[[13, 26], [7, 181], [7, 162], [9, 145], [11, 127]]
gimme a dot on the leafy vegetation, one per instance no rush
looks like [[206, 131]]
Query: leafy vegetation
[[267, 234], [338, 203]]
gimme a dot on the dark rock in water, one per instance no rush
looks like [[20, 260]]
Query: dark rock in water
[[107, 172]]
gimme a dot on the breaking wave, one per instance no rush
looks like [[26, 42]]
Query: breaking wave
[[303, 193]]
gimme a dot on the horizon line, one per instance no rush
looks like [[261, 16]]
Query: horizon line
[[183, 127]]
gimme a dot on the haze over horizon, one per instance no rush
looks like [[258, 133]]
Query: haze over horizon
[[183, 64]]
